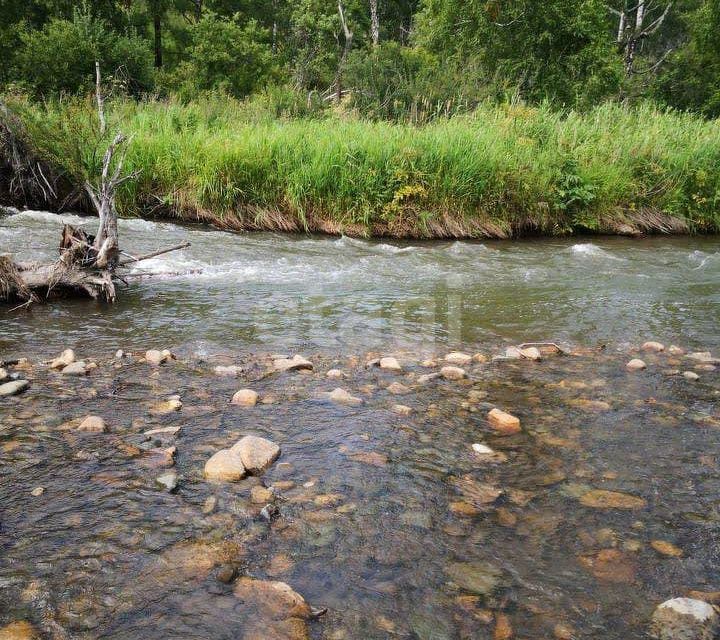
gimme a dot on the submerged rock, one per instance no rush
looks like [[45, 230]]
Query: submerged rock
[[691, 375], [531, 353], [656, 347], [602, 499], [19, 630], [231, 371], [481, 578], [256, 454], [504, 423], [398, 388], [453, 373], [13, 388], [458, 358], [666, 548], [169, 480], [225, 465], [154, 357], [340, 396], [684, 619], [75, 369], [636, 365], [610, 565], [66, 358], [166, 407], [702, 356], [261, 495], [245, 398], [335, 374], [92, 424], [390, 364], [675, 350]]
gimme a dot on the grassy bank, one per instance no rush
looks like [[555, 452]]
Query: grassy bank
[[505, 170]]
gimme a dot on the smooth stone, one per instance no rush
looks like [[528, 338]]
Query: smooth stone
[[75, 369], [295, 363], [340, 396], [13, 388], [453, 373], [476, 577], [19, 630], [390, 363], [66, 358], [245, 398], [92, 424], [482, 449], [401, 409], [398, 388], [636, 365], [665, 548], [166, 407], [261, 495], [256, 453], [225, 465], [428, 377], [281, 611], [154, 357], [531, 353], [37, 492], [169, 480], [602, 499], [513, 353], [458, 358], [675, 350], [4, 375], [226, 573], [232, 371], [657, 347], [335, 374], [209, 505], [691, 375], [684, 619], [503, 422], [169, 431], [702, 356]]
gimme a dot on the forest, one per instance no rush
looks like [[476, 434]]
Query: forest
[[401, 117]]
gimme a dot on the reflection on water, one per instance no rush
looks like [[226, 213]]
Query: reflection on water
[[296, 292], [388, 518]]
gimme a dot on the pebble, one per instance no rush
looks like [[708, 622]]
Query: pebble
[[702, 356], [389, 363], [531, 353], [226, 573], [452, 373], [398, 388], [92, 424], [4, 375], [209, 505], [458, 358], [636, 365], [335, 374], [37, 491], [341, 396], [428, 377], [482, 449], [166, 407], [75, 369], [402, 409], [232, 371], [666, 548], [245, 398], [256, 454], [691, 375], [169, 480], [504, 423], [13, 388], [657, 347], [66, 358], [480, 358], [296, 363], [684, 619], [602, 499], [675, 350]]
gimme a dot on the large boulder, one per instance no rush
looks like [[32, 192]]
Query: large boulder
[[684, 619], [504, 423], [226, 465], [256, 454]]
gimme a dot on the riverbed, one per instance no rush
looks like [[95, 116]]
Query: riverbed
[[386, 514]]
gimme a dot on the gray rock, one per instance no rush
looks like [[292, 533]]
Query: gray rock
[[13, 388], [256, 454], [75, 369], [684, 619], [169, 480]]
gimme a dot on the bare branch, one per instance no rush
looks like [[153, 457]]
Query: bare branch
[[100, 99]]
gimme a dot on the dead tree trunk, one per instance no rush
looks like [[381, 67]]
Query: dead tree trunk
[[374, 23], [634, 30], [348, 35]]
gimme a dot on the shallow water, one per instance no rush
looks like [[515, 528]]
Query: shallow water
[[283, 292], [408, 542]]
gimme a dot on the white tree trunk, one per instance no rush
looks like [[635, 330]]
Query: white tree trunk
[[374, 23]]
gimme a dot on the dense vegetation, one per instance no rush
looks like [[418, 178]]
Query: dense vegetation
[[547, 116]]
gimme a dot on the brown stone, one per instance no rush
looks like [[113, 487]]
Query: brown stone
[[504, 423], [503, 628], [92, 424], [602, 499], [257, 454], [666, 548], [225, 465], [245, 398], [370, 457], [261, 495], [19, 630], [610, 565]]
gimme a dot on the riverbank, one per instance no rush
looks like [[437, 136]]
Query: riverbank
[[505, 171], [459, 496]]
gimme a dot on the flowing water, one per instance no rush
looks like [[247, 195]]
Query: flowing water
[[387, 516]]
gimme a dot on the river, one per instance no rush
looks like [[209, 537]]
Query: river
[[387, 516]]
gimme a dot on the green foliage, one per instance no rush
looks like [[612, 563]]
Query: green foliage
[[226, 56], [61, 56]]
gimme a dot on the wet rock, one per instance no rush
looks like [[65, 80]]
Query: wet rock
[[480, 358], [92, 424], [453, 373], [480, 578], [610, 565], [295, 363], [166, 407], [513, 353], [163, 431], [370, 457], [479, 494], [636, 365], [13, 388], [19, 630], [691, 375], [397, 388], [75, 369], [169, 480], [562, 631], [655, 347], [209, 505], [503, 629], [684, 619], [390, 364], [269, 512], [702, 356], [482, 449], [401, 409], [712, 597], [428, 377], [245, 398], [231, 371], [66, 358], [261, 495], [463, 509], [37, 492], [154, 357], [157, 457], [226, 573], [276, 610], [4, 375], [256, 454], [335, 374], [531, 353], [504, 423], [602, 499], [341, 396], [589, 405], [458, 358], [666, 548], [225, 465], [675, 350]]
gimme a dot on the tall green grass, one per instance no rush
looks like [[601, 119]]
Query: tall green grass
[[503, 170]]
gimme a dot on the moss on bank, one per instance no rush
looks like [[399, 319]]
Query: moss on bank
[[506, 170]]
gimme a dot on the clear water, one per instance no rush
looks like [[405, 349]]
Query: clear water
[[394, 551]]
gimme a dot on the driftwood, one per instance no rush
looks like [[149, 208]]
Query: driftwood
[[87, 264]]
